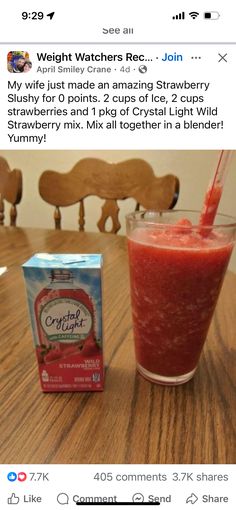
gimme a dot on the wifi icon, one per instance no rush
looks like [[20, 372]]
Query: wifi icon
[[194, 14]]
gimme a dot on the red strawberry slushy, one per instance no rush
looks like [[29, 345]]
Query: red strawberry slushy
[[176, 274]]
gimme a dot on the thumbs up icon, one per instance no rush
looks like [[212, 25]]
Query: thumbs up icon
[[13, 500]]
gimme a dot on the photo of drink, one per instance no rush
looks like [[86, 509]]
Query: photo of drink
[[176, 272], [177, 264], [120, 329]]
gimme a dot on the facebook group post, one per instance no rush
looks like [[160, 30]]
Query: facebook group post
[[117, 259]]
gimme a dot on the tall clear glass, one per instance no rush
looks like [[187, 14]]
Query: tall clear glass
[[176, 272]]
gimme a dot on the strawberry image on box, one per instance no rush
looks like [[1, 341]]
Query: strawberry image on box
[[65, 305]]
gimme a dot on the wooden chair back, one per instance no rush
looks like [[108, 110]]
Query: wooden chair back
[[10, 190], [133, 178]]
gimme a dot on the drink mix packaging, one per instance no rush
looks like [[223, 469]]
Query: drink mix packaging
[[65, 306]]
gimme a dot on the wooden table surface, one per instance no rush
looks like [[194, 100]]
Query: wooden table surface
[[132, 421]]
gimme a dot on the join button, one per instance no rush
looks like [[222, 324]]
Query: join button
[[172, 57]]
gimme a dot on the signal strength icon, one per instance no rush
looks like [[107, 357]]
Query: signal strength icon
[[181, 15], [194, 14]]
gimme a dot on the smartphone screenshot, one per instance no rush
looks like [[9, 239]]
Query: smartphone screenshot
[[117, 255]]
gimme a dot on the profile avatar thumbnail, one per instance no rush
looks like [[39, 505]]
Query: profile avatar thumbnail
[[18, 62]]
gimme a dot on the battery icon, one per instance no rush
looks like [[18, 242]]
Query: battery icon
[[211, 15]]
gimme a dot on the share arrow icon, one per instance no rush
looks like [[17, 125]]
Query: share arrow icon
[[51, 14], [192, 499]]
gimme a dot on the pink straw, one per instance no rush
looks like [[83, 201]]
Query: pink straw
[[214, 192]]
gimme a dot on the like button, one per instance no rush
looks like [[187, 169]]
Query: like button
[[13, 500]]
